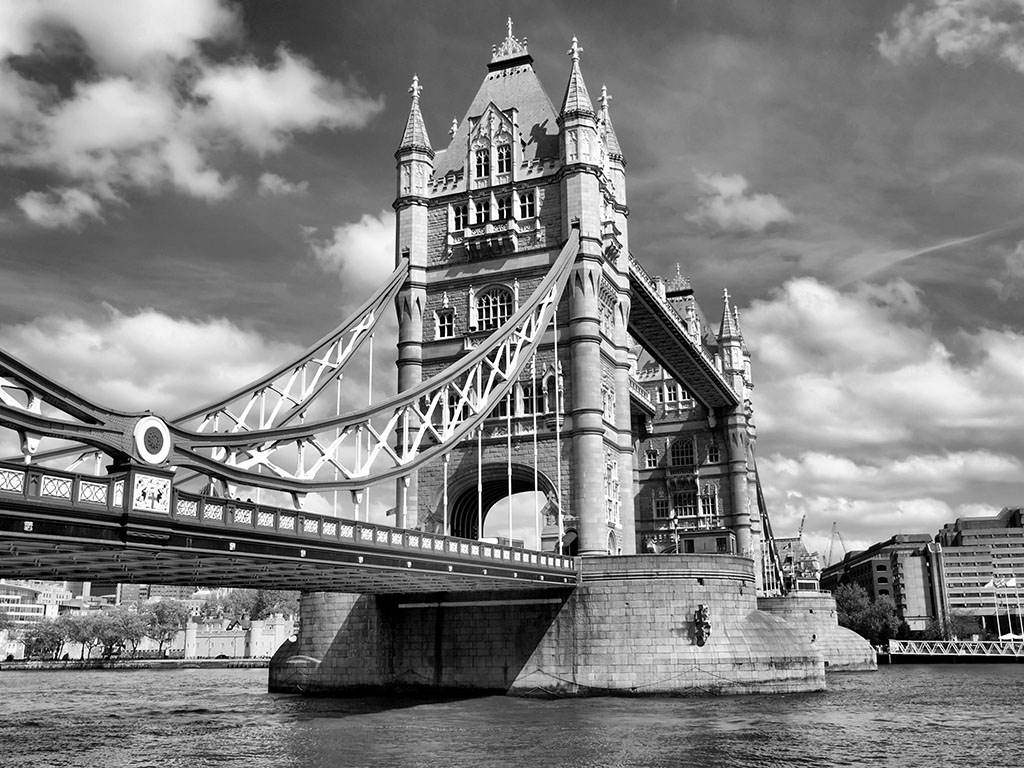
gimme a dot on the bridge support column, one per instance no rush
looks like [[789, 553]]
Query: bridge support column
[[623, 422], [411, 302], [736, 432], [577, 642], [588, 480]]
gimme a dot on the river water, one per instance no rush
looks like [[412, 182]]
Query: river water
[[951, 715]]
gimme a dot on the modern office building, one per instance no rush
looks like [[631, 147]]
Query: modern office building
[[974, 566], [26, 602]]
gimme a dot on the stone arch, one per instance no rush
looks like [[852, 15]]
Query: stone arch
[[462, 494], [614, 548], [571, 543]]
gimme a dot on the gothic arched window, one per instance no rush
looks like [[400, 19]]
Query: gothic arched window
[[483, 163], [461, 216], [682, 453], [493, 308], [504, 208], [504, 158]]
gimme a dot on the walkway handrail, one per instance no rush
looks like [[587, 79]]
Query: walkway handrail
[[61, 491], [649, 287]]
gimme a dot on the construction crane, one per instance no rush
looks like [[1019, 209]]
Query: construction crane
[[831, 542]]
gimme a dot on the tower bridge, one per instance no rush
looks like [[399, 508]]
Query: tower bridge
[[535, 354]]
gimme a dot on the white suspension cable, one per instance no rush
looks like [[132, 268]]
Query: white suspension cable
[[337, 438], [480, 482], [369, 401], [263, 417], [558, 434], [508, 460], [444, 516], [533, 408]]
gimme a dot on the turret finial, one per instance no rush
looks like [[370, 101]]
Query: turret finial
[[605, 98], [575, 50], [455, 126], [415, 88], [510, 48]]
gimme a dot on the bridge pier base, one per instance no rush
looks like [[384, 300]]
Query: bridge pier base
[[629, 628], [814, 615]]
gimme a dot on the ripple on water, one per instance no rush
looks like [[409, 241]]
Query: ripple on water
[[906, 716]]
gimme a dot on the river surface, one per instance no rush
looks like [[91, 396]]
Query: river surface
[[950, 715]]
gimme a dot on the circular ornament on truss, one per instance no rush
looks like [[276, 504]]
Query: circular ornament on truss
[[152, 440]]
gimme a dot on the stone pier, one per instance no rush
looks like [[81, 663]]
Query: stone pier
[[813, 614], [627, 629]]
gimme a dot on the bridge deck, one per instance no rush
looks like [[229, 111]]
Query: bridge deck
[[64, 526], [656, 325]]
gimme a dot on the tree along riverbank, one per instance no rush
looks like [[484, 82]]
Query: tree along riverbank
[[36, 665]]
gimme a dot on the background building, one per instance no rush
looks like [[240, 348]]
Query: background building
[[974, 566]]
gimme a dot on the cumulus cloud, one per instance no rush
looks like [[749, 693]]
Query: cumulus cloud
[[863, 370], [276, 186], [59, 208], [262, 106], [362, 252], [868, 418], [727, 204], [959, 31], [823, 474], [156, 110], [145, 361]]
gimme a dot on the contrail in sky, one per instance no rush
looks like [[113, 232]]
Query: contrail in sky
[[870, 264]]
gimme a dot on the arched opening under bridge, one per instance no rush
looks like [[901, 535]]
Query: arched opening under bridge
[[526, 500]]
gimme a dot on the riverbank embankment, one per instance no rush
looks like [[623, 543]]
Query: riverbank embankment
[[115, 664]]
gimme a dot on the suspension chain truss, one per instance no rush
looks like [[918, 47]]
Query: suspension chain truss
[[278, 432], [276, 399]]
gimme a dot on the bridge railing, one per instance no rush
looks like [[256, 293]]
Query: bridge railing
[[59, 487], [639, 274], [1014, 648], [61, 490]]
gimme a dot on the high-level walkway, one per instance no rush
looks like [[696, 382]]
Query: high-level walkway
[[64, 526], [657, 326]]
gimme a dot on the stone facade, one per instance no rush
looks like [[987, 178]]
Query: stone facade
[[627, 629], [481, 223], [813, 615], [483, 228]]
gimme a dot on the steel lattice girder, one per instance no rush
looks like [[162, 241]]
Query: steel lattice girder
[[402, 432]]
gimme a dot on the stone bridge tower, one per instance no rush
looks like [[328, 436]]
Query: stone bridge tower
[[481, 222]]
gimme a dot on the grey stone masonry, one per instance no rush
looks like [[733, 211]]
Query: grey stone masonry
[[628, 629], [814, 615]]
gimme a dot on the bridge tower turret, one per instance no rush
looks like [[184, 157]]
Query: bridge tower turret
[[481, 231], [598, 310], [734, 366], [415, 167]]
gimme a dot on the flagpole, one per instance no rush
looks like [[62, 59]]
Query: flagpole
[[995, 600], [1012, 582]]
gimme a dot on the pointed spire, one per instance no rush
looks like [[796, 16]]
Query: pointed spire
[[577, 100], [739, 330], [415, 136], [611, 141], [729, 329]]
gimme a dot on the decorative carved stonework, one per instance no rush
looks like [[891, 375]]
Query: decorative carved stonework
[[701, 624]]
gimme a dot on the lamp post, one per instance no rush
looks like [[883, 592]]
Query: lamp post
[[675, 531]]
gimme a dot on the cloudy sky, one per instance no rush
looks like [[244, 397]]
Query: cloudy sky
[[191, 191]]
